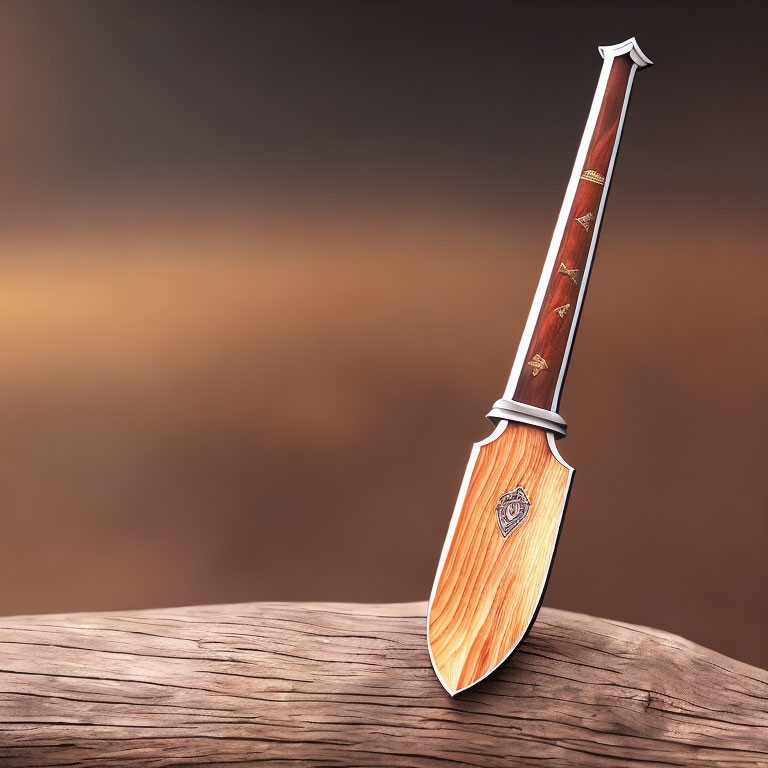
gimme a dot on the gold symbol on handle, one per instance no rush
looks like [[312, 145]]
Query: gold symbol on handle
[[562, 310], [593, 176], [572, 273], [538, 363], [586, 220]]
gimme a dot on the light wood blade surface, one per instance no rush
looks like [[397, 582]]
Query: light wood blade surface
[[488, 586]]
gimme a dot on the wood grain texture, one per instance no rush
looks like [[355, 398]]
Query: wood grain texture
[[351, 685], [489, 586], [550, 335]]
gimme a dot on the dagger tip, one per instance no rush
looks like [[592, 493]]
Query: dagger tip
[[451, 691], [447, 680], [455, 677]]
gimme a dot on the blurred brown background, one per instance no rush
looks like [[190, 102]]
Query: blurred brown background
[[264, 269]]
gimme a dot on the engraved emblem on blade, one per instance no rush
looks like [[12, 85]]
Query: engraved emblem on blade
[[562, 310], [572, 273], [538, 363], [586, 220], [593, 176], [511, 510]]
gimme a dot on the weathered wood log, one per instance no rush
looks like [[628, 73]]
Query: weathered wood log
[[351, 685]]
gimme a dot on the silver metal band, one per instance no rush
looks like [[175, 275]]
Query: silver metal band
[[511, 410]]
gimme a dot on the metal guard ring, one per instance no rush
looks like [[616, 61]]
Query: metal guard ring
[[511, 410]]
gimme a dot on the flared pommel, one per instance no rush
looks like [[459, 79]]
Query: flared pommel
[[628, 46]]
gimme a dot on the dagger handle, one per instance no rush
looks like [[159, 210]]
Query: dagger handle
[[542, 357]]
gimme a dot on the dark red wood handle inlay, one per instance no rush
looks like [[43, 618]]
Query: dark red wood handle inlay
[[547, 351]]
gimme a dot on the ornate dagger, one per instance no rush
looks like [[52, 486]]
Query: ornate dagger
[[498, 553]]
